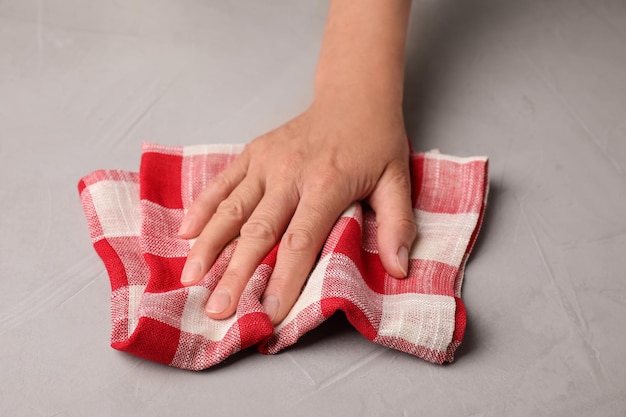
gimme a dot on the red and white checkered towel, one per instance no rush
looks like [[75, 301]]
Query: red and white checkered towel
[[134, 218]]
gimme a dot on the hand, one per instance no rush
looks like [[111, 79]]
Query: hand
[[291, 185]]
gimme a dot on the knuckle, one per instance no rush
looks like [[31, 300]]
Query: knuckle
[[329, 181], [298, 240], [259, 148], [289, 166], [259, 229], [400, 177], [232, 209], [399, 174], [235, 278], [329, 174], [221, 184], [296, 158], [408, 225], [203, 246]]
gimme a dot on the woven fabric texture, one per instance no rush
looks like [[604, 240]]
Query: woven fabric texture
[[133, 220]]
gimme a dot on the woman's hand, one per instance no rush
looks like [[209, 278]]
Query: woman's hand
[[291, 185]]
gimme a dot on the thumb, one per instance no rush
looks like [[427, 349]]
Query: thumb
[[391, 200]]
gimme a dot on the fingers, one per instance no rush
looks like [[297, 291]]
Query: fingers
[[391, 200], [238, 203], [258, 236], [216, 191], [261, 220], [313, 220], [223, 226]]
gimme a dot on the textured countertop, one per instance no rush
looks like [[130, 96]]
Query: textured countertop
[[538, 85]]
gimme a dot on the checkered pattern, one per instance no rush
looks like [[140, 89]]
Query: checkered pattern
[[134, 218]]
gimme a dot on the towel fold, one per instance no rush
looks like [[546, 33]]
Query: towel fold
[[133, 220]]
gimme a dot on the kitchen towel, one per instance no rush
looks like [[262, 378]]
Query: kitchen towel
[[133, 220]]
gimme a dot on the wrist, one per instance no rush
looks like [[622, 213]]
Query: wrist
[[370, 114], [362, 55], [373, 91]]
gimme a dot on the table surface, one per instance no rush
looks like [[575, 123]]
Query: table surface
[[538, 85]]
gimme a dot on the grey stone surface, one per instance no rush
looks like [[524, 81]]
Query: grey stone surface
[[539, 86]]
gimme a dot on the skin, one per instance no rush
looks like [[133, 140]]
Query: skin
[[290, 185]]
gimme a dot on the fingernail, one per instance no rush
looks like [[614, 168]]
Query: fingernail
[[402, 260], [270, 305], [191, 273], [186, 225], [218, 302]]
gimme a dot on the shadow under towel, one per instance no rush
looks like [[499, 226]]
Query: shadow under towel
[[134, 218]]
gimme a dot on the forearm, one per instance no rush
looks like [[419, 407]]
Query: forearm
[[362, 55]]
